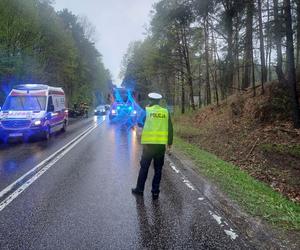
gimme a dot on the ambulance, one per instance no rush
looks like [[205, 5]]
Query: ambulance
[[33, 110]]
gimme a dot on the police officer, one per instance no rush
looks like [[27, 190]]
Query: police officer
[[157, 134]]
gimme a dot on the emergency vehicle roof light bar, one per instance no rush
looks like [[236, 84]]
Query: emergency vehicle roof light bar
[[31, 87]]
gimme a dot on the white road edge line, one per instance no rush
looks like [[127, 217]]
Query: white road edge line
[[52, 159], [221, 222], [175, 169]]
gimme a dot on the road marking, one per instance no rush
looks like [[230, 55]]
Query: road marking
[[221, 222], [9, 195], [189, 184], [216, 217], [231, 234], [175, 169]]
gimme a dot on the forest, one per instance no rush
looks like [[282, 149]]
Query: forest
[[40, 45], [200, 52]]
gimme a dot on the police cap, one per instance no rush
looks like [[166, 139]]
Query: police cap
[[155, 96]]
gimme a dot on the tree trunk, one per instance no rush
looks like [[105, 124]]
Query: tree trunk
[[278, 39], [186, 57], [248, 44], [298, 41], [182, 86], [291, 72], [182, 95], [215, 71], [200, 83], [237, 63], [268, 38], [253, 76], [229, 59], [208, 90], [262, 48]]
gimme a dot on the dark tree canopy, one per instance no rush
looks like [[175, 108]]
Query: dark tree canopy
[[39, 45]]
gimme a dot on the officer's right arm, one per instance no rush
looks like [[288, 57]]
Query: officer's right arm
[[142, 119]]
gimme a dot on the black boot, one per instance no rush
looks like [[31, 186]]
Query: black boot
[[135, 191], [155, 196]]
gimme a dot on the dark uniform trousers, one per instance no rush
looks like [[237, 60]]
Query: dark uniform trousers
[[155, 152]]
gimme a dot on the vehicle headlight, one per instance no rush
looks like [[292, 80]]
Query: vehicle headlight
[[113, 112], [95, 110], [37, 122], [134, 112]]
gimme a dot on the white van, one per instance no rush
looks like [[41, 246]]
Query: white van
[[33, 109]]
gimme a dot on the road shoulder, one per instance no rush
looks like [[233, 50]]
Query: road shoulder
[[256, 230]]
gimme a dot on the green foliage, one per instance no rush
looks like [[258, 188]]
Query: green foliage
[[166, 58], [293, 150], [255, 197], [141, 66], [39, 45]]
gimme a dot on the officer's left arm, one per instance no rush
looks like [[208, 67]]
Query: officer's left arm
[[170, 131]]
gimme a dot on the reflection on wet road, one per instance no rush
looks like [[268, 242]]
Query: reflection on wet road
[[17, 158], [84, 200]]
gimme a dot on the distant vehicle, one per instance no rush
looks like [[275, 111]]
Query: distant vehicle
[[81, 110], [100, 110], [33, 110], [107, 107], [123, 104]]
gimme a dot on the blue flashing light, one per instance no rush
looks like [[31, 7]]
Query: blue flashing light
[[118, 108], [31, 87], [130, 108], [118, 96]]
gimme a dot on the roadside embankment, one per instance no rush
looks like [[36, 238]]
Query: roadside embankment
[[248, 147]]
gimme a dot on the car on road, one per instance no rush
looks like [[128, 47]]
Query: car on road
[[100, 110], [33, 110], [122, 110], [107, 107]]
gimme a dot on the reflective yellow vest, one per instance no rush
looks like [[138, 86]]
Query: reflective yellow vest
[[156, 126]]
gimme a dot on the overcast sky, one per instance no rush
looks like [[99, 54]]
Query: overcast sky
[[118, 22]]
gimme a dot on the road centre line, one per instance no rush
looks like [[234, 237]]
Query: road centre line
[[9, 194]]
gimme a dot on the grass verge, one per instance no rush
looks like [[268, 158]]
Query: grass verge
[[253, 196]]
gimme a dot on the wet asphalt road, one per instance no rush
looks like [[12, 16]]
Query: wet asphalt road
[[84, 200]]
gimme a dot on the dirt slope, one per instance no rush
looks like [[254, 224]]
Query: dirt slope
[[254, 133]]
